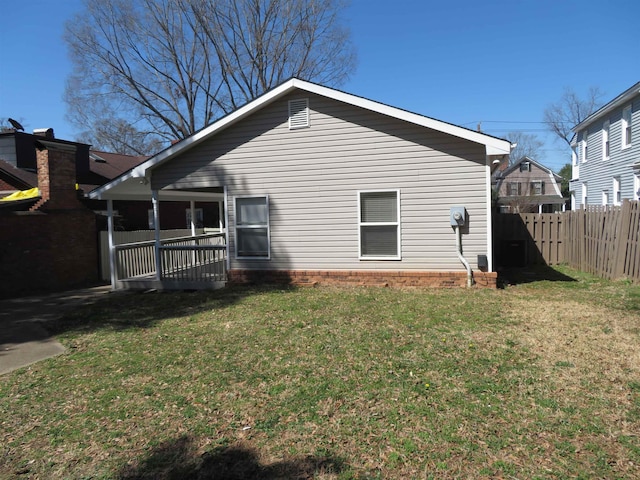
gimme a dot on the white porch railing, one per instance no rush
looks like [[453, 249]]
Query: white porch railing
[[199, 259]]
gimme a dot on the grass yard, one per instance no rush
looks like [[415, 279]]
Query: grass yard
[[538, 380]]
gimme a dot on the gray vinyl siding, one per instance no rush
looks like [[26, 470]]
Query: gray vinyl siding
[[597, 173], [313, 175]]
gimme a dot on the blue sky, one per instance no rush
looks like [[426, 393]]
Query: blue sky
[[499, 62]]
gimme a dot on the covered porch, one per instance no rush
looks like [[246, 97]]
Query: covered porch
[[198, 261]]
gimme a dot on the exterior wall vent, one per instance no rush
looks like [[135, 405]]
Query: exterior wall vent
[[298, 113]]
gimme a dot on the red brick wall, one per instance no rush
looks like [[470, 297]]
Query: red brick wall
[[368, 277], [55, 247], [47, 252]]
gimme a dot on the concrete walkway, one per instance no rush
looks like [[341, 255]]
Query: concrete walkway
[[23, 321]]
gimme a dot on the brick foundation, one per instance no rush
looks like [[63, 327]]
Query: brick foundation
[[362, 277]]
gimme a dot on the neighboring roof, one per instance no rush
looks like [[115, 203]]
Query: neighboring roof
[[105, 166], [620, 100], [110, 165], [25, 177], [137, 176], [516, 165]]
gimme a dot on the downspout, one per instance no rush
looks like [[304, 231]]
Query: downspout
[[461, 257]]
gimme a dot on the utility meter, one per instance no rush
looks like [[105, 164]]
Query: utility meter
[[458, 216]]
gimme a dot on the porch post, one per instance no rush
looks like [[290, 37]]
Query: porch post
[[112, 248], [220, 216], [156, 225], [192, 205], [226, 230]]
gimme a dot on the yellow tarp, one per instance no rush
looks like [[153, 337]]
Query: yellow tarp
[[23, 195]]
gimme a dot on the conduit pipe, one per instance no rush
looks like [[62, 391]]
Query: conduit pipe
[[462, 259]]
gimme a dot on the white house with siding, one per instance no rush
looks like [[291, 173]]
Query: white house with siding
[[318, 185], [606, 153]]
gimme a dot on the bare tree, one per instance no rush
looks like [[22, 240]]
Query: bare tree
[[527, 145], [570, 110], [161, 70]]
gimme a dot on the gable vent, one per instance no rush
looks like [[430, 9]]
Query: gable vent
[[298, 113]]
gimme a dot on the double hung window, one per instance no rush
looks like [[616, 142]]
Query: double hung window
[[252, 227], [626, 126], [617, 193], [537, 187], [605, 140], [379, 224], [513, 189]]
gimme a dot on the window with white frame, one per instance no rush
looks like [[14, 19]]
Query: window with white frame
[[617, 193], [585, 141], [584, 194], [525, 167], [513, 189], [252, 227], [537, 187], [605, 197], [379, 224], [605, 140], [626, 126], [636, 186]]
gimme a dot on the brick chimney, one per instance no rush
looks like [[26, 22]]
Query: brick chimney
[[56, 165]]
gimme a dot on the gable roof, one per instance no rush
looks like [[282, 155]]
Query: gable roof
[[19, 177], [137, 175], [516, 165], [620, 100]]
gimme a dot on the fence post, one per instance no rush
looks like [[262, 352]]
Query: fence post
[[622, 239]]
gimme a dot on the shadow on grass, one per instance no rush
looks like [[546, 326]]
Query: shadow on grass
[[537, 273], [122, 311], [179, 459]]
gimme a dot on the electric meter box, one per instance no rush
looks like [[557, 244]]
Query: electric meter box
[[458, 216]]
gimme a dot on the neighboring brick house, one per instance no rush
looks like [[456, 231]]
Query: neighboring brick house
[[526, 187], [93, 169], [606, 153], [49, 244]]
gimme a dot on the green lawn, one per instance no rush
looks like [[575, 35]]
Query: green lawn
[[537, 380]]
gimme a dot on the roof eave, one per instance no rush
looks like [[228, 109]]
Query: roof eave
[[493, 145], [620, 100]]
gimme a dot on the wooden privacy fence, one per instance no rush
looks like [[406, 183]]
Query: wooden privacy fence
[[599, 240], [604, 240]]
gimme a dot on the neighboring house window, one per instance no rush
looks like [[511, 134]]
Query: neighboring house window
[[626, 126], [513, 189], [525, 167], [584, 194], [252, 227], [605, 140], [379, 224], [298, 113], [199, 217], [636, 186], [537, 188], [585, 141], [605, 197], [617, 194]]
